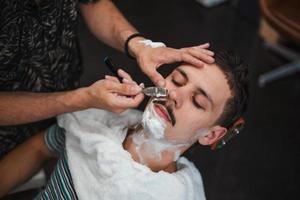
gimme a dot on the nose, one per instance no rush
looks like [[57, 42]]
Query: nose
[[175, 97]]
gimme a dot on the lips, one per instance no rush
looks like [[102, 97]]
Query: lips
[[162, 112]]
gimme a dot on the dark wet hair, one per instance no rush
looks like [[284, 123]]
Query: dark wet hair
[[236, 72]]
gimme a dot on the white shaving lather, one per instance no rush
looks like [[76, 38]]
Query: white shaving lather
[[153, 125], [152, 44]]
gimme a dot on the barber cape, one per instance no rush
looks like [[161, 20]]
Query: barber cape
[[102, 169]]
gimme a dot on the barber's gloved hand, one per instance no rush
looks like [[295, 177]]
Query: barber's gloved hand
[[150, 59], [110, 94]]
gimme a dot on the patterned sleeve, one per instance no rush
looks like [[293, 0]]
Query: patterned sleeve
[[87, 1], [55, 139]]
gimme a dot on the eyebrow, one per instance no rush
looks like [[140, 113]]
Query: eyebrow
[[199, 89]]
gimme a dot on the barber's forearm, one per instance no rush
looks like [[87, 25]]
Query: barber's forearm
[[26, 107], [107, 23]]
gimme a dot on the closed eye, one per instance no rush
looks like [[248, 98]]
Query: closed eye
[[179, 78], [178, 84], [196, 104]]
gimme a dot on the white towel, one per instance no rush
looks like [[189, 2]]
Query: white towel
[[102, 169]]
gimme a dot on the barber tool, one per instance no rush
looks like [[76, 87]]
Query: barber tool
[[155, 92], [234, 130], [112, 67], [158, 92]]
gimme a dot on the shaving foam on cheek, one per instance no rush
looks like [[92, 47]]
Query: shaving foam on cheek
[[154, 125]]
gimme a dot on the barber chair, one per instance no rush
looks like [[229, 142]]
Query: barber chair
[[284, 18]]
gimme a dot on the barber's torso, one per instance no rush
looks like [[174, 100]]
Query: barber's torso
[[39, 52]]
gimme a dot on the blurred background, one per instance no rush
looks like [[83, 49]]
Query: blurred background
[[263, 161]]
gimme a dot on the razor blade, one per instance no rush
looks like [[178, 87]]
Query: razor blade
[[155, 92]]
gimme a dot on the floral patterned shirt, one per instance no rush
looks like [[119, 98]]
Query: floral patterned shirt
[[39, 52]]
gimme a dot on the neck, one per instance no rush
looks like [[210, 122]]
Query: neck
[[156, 154]]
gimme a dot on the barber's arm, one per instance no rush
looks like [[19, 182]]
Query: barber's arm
[[110, 26], [26, 107]]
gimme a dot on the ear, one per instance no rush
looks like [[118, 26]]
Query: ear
[[214, 134]]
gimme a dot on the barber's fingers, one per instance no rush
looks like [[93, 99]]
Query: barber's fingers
[[124, 102], [124, 74], [204, 46], [124, 89], [199, 54], [156, 77], [174, 55], [112, 78], [186, 56], [126, 78], [203, 50]]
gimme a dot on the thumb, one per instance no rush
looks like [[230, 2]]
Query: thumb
[[125, 88], [156, 78]]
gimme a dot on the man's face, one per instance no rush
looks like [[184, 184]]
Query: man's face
[[196, 100]]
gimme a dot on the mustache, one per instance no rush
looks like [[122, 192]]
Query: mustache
[[169, 110]]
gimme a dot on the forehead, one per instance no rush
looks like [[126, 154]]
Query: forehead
[[209, 78]]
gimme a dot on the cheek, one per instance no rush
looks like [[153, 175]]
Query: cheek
[[193, 117], [189, 117], [183, 130], [187, 124]]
